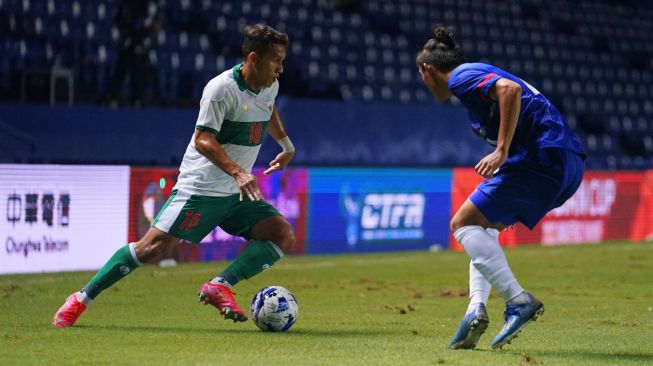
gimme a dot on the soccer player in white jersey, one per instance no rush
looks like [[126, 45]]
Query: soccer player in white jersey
[[215, 185]]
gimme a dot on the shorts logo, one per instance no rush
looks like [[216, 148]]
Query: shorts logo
[[191, 221], [124, 270]]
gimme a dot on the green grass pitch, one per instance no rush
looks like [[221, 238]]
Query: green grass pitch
[[375, 309]]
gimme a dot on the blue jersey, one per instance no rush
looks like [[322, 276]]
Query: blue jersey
[[540, 125]]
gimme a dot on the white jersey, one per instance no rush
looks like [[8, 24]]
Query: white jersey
[[238, 117]]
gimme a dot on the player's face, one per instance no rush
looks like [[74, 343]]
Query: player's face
[[270, 66], [430, 78]]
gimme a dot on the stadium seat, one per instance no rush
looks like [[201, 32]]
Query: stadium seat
[[367, 53]]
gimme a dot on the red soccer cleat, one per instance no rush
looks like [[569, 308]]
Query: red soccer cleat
[[67, 315], [222, 298]]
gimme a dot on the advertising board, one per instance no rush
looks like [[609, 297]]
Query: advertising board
[[372, 210], [61, 217]]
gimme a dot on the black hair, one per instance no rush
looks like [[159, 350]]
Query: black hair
[[259, 37], [442, 51]]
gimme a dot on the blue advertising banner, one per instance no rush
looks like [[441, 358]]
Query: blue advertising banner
[[373, 210]]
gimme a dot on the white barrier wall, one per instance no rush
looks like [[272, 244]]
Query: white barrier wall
[[61, 217]]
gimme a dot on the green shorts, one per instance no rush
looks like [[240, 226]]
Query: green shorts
[[193, 217]]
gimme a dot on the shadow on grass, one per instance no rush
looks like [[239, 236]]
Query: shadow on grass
[[244, 330]]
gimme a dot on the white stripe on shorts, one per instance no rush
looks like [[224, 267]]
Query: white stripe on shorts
[[171, 212]]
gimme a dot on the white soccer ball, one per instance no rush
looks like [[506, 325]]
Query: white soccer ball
[[274, 309]]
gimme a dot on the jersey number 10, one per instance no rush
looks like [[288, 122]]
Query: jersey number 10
[[255, 132]]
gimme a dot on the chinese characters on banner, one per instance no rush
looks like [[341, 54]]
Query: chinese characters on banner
[[61, 218]]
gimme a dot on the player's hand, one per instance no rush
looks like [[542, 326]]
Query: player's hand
[[247, 184], [279, 162], [490, 163]]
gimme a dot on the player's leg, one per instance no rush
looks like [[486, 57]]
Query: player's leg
[[192, 217], [476, 320], [523, 191], [269, 236], [162, 236], [479, 287], [469, 226], [123, 262], [270, 239]]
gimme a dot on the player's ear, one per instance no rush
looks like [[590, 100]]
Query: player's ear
[[427, 69], [251, 57]]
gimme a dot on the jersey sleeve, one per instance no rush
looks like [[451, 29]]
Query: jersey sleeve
[[473, 81], [213, 109]]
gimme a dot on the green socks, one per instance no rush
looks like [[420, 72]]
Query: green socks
[[256, 258], [123, 262]]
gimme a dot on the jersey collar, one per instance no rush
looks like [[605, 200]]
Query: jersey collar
[[455, 71], [240, 81]]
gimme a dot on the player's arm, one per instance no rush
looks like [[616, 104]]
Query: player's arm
[[508, 94], [278, 132], [207, 145]]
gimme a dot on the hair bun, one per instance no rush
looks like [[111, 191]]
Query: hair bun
[[442, 35]]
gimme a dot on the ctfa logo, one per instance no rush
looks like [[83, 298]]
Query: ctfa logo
[[393, 211], [382, 216]]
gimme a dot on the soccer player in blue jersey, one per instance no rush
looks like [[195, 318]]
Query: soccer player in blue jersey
[[537, 164]]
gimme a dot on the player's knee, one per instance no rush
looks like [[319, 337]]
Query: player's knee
[[286, 239], [150, 251], [455, 224]]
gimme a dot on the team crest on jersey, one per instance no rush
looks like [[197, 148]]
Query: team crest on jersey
[[270, 107], [245, 108]]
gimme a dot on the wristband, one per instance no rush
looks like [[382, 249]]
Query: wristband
[[286, 144]]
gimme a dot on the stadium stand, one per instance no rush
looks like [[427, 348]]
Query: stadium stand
[[593, 59]]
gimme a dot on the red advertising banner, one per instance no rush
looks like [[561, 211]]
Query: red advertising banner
[[150, 188], [607, 206], [643, 226]]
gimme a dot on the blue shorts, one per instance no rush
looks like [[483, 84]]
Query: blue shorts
[[526, 189]]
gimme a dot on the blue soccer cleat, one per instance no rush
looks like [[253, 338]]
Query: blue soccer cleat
[[516, 318], [471, 328]]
